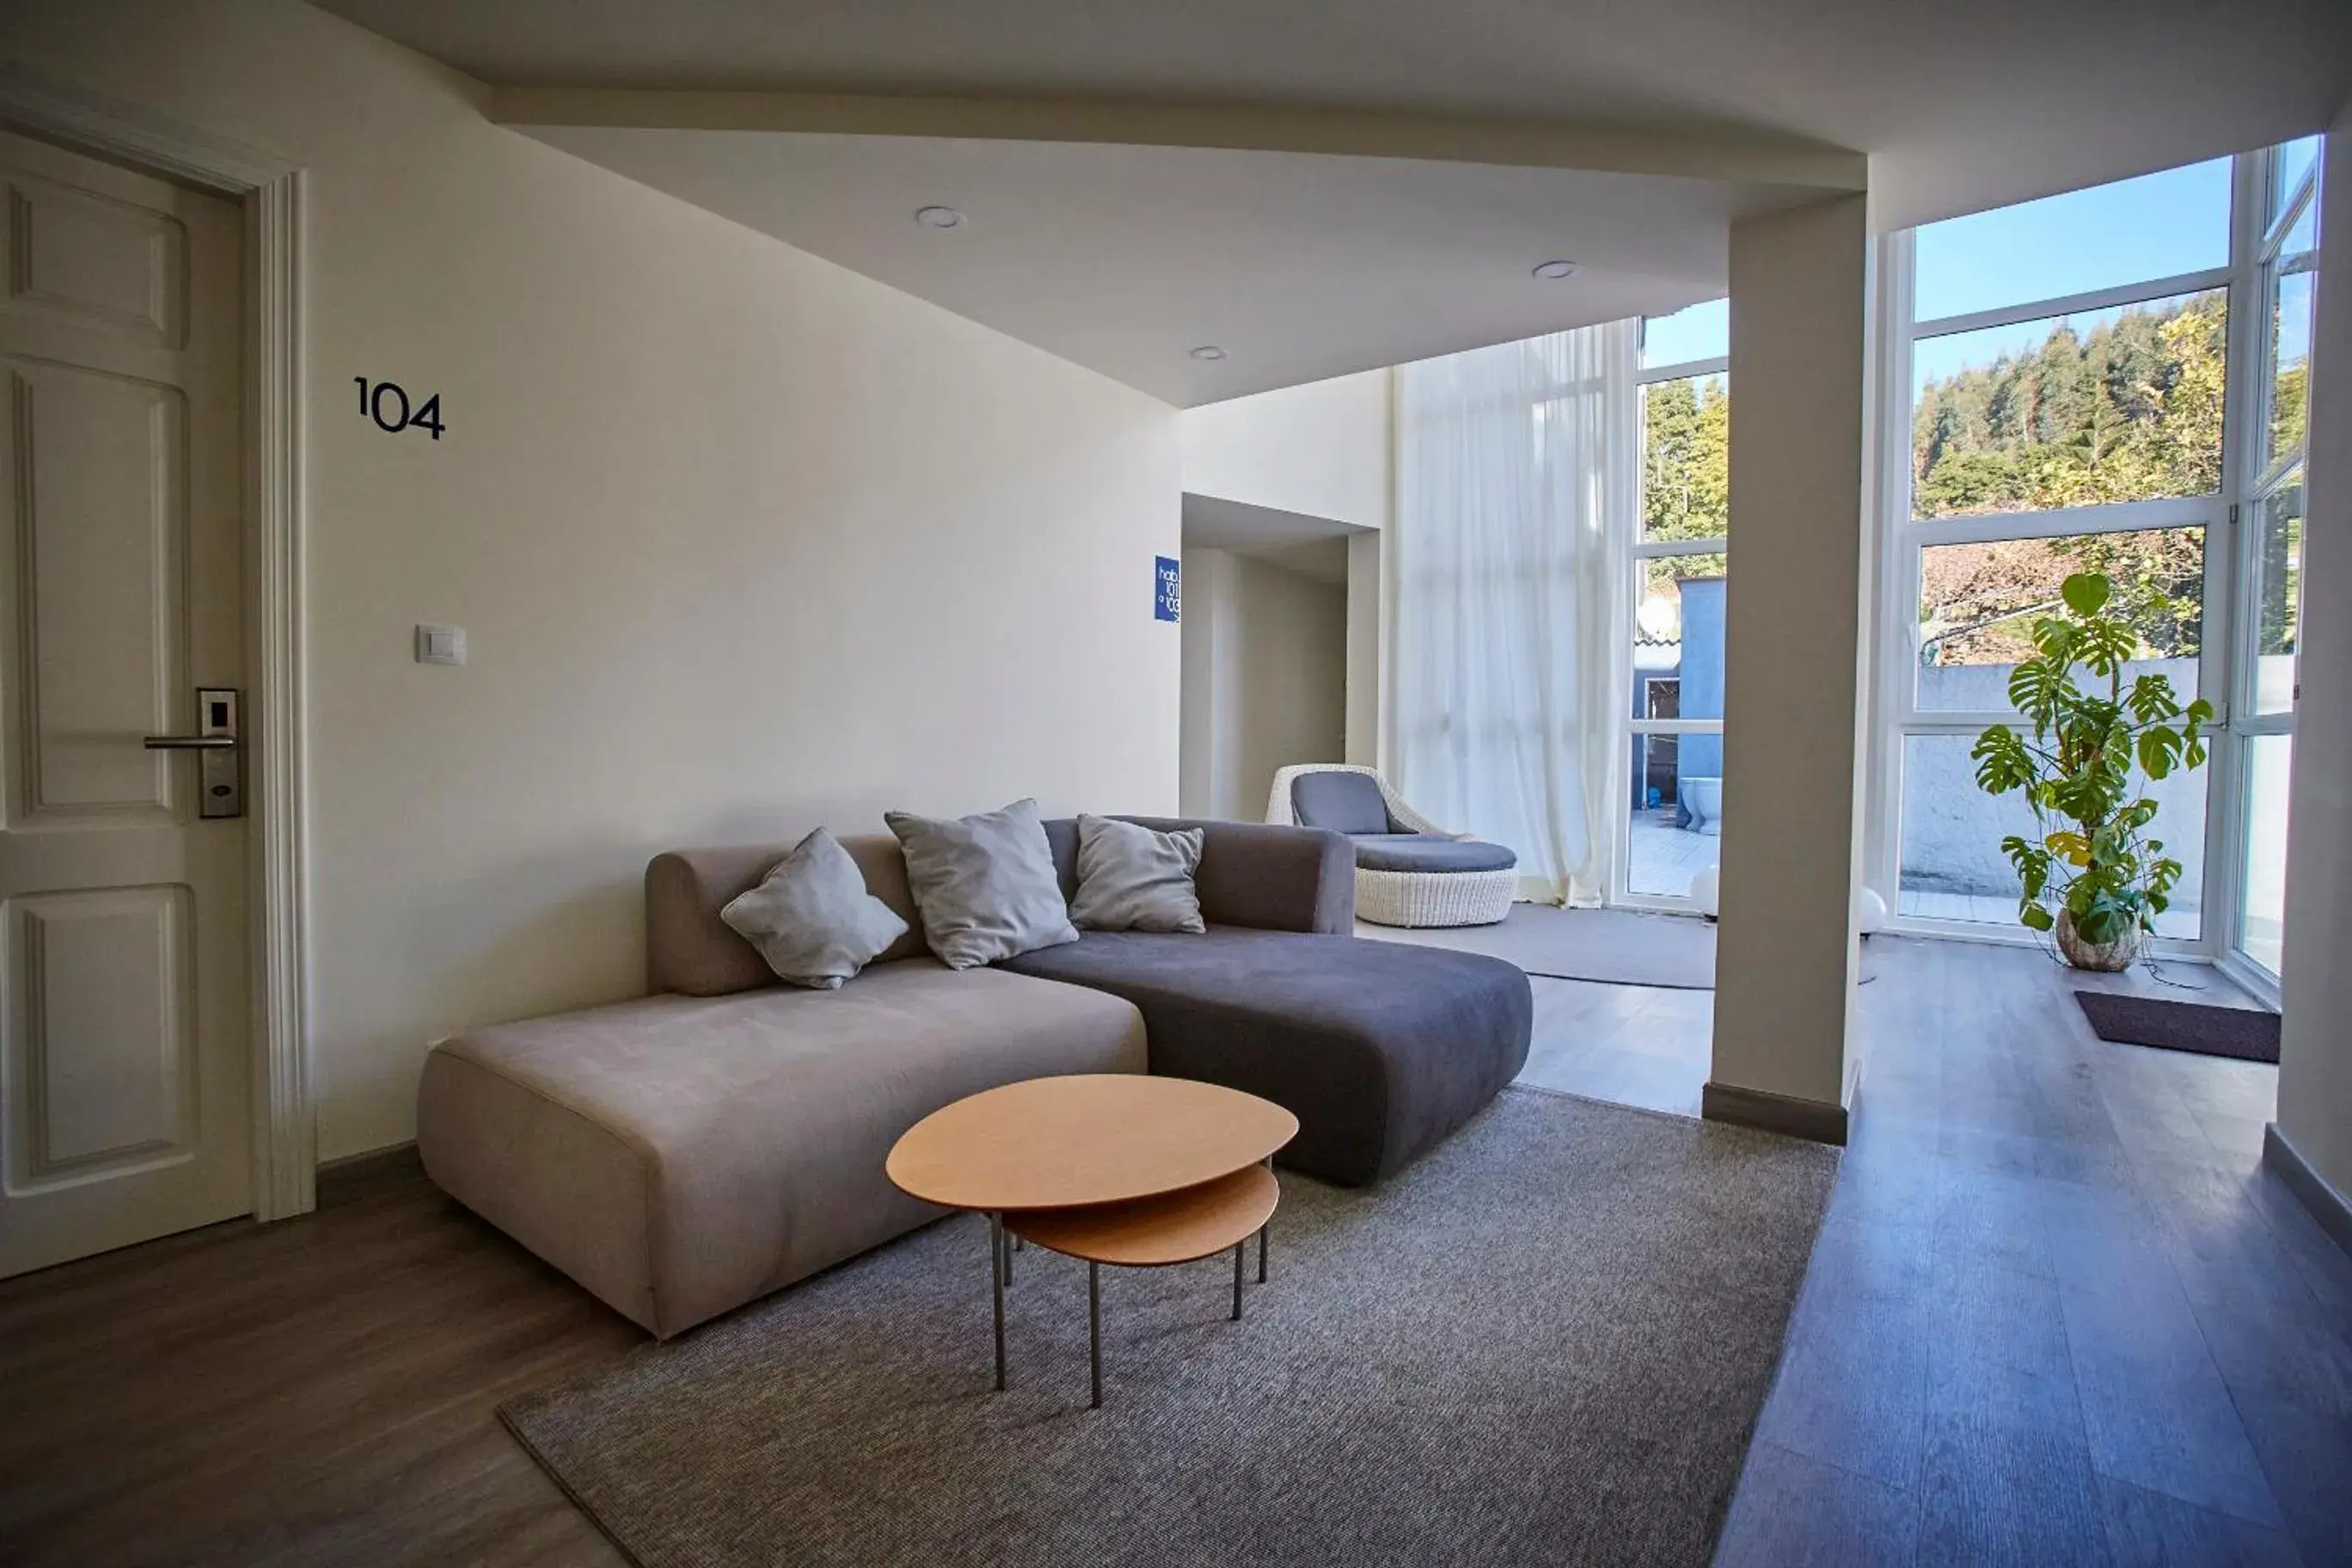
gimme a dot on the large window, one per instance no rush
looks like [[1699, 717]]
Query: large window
[[2077, 392], [1671, 802]]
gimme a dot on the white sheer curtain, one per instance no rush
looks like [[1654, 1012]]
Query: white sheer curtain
[[1498, 645]]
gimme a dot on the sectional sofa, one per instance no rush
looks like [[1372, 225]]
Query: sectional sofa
[[680, 1154]]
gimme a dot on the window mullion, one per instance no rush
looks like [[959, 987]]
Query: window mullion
[[1659, 549], [2115, 517], [1686, 371], [2084, 303]]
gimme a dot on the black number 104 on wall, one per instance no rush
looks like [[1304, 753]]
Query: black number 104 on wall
[[386, 403]]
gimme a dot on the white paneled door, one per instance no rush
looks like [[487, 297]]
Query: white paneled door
[[124, 1110]]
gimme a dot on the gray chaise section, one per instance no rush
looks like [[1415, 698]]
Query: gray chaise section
[[684, 1153], [1379, 1049]]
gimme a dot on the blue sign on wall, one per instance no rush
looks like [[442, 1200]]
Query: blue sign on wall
[[1167, 600]]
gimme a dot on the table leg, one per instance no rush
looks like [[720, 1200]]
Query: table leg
[[1009, 1244], [1093, 1328], [997, 1267], [1261, 1252], [1237, 1280]]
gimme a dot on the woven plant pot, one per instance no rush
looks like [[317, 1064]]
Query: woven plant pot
[[2105, 957]]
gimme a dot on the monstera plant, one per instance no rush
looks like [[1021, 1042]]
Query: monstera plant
[[2083, 756]]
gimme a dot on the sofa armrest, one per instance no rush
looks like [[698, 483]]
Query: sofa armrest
[[1273, 878]]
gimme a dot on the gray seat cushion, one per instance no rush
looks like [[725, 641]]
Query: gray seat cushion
[[679, 1155], [1379, 1049], [1429, 852], [1343, 802]]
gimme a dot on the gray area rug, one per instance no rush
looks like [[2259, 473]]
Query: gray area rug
[[1623, 947], [1547, 1342]]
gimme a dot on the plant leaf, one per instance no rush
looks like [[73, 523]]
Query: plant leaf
[[2151, 698], [2071, 847], [2084, 593]]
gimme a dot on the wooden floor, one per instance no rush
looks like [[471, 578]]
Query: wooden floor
[[1634, 1044], [2058, 1312], [319, 1391], [2057, 1315]]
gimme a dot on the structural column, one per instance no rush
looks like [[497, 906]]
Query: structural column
[[1796, 611], [2311, 1143]]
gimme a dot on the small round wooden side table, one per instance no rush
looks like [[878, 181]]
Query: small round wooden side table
[[1118, 1168]]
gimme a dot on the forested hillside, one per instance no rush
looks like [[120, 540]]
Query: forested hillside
[[2129, 411]]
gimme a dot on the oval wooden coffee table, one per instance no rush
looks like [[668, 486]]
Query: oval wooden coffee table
[[1118, 1168]]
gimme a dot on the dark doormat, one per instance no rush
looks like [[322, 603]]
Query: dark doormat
[[2246, 1032]]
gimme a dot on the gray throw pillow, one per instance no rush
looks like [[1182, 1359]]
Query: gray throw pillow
[[985, 884], [811, 918], [1132, 878]]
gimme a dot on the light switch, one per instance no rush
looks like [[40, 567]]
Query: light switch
[[440, 645]]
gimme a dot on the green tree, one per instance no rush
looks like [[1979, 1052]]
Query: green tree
[[1686, 460]]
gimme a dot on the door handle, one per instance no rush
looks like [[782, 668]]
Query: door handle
[[218, 774]]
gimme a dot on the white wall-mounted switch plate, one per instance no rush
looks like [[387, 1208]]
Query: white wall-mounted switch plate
[[440, 645]]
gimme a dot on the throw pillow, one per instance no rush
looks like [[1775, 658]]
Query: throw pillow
[[811, 918], [985, 884], [1132, 878]]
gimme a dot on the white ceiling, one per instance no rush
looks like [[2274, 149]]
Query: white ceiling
[[1960, 105], [1124, 259], [1314, 547], [1122, 248]]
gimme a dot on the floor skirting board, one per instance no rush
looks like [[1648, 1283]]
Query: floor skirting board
[[1818, 1119], [2329, 1206]]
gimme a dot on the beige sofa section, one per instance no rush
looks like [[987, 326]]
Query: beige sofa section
[[684, 1153]]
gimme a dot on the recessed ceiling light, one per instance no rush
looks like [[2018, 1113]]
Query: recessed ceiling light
[[1555, 269], [938, 217], [1208, 350]]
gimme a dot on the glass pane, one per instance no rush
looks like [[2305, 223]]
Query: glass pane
[[1978, 603], [2278, 594], [1679, 638], [1677, 803], [2287, 345], [1694, 333], [2268, 760], [1687, 459], [1952, 868], [2158, 225], [2294, 161], [2109, 405]]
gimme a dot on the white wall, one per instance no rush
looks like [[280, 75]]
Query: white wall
[[1266, 669], [743, 541], [2315, 1099], [1208, 668], [1367, 670], [1322, 449], [1794, 654]]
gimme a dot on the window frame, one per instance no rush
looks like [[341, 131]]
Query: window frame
[[2263, 237], [1626, 559]]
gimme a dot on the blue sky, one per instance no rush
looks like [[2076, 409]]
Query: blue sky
[[2158, 225]]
